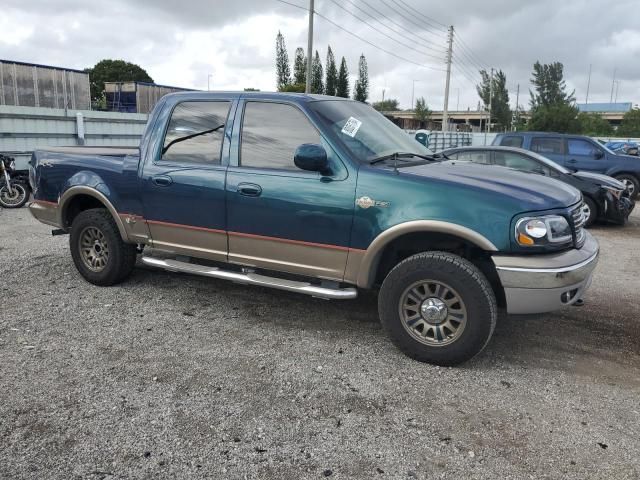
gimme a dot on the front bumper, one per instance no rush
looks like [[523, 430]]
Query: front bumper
[[544, 283], [617, 210]]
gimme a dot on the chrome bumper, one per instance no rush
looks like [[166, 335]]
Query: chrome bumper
[[544, 283]]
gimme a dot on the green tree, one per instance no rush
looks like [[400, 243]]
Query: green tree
[[594, 125], [295, 87], [342, 88], [331, 83], [317, 85], [300, 67], [388, 105], [283, 70], [114, 71], [549, 86], [630, 126], [422, 110], [558, 118], [552, 107], [361, 88], [495, 91]]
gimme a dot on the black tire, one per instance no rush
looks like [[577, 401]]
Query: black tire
[[21, 195], [593, 212], [121, 258], [632, 183], [465, 280]]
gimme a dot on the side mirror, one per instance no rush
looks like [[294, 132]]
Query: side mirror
[[599, 154], [311, 157]]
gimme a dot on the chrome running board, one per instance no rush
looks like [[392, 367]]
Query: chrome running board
[[250, 278]]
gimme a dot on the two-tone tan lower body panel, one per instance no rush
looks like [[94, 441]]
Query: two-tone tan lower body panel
[[188, 240], [292, 256], [45, 212]]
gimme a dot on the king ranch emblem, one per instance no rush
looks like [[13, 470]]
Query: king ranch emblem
[[367, 202]]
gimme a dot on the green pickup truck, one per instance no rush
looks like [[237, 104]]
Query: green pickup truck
[[321, 196]]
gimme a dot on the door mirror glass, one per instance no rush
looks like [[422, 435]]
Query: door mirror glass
[[598, 154], [311, 157]]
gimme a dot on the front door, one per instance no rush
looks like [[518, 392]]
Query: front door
[[280, 217], [183, 188], [584, 155]]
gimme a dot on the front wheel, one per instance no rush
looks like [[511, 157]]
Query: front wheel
[[631, 182], [590, 211], [438, 308], [14, 198]]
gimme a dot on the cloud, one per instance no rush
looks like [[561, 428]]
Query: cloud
[[234, 41]]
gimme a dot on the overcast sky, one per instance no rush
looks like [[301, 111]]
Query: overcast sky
[[181, 43]]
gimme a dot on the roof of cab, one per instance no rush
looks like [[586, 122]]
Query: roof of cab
[[290, 96]]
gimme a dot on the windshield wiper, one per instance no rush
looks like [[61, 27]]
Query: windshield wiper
[[399, 155], [187, 137]]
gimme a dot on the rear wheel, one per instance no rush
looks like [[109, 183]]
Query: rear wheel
[[590, 211], [97, 249], [438, 308], [631, 182]]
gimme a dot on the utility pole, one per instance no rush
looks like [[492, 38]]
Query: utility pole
[[517, 107], [615, 100], [613, 84], [588, 85], [458, 103], [413, 89], [445, 110], [209, 82], [490, 100], [309, 48]]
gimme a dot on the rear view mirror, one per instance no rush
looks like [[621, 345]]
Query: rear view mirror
[[311, 157]]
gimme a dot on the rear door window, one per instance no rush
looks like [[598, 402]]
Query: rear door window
[[475, 156], [195, 133], [547, 145]]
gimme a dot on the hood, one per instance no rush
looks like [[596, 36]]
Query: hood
[[531, 190], [599, 179]]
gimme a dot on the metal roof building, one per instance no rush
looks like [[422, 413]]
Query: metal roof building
[[604, 107], [135, 97], [32, 85]]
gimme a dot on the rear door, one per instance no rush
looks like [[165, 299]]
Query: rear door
[[548, 146], [183, 186], [280, 217], [584, 155]]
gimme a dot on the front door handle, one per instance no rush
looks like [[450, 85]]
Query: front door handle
[[573, 160], [162, 180], [249, 189]]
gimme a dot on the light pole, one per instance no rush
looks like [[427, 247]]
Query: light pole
[[413, 89], [209, 77]]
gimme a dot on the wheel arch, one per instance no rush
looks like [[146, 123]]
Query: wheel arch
[[430, 232], [80, 198]]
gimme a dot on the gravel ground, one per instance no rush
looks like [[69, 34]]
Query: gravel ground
[[174, 376]]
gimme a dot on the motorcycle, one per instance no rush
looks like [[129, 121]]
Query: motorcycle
[[14, 185]]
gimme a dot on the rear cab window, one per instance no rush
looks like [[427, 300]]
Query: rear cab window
[[512, 141]]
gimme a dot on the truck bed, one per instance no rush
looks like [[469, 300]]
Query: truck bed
[[97, 151]]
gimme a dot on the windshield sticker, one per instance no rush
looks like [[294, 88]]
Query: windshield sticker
[[351, 127]]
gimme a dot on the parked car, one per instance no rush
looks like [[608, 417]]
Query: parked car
[[577, 152], [322, 196], [605, 198], [625, 148]]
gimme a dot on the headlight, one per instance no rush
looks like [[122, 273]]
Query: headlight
[[614, 191], [546, 230]]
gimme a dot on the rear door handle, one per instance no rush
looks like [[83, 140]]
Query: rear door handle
[[249, 189], [573, 160], [162, 180]]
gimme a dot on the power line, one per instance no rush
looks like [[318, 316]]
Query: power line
[[383, 33], [376, 46], [442, 26], [472, 71], [388, 52], [411, 21], [428, 43], [465, 47]]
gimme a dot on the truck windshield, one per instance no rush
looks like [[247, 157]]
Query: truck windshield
[[366, 133]]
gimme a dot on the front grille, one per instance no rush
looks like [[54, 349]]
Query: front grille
[[578, 219]]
